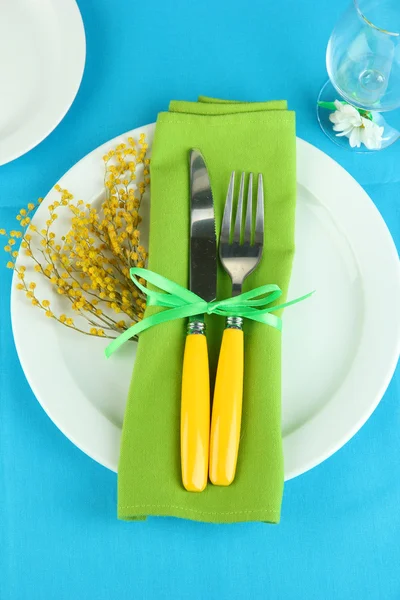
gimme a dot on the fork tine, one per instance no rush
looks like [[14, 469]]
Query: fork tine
[[227, 218], [239, 212], [259, 231], [249, 212]]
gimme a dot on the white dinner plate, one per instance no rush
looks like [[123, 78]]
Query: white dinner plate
[[42, 57], [340, 347]]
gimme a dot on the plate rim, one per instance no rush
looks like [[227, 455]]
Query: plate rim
[[390, 252], [70, 14], [103, 456]]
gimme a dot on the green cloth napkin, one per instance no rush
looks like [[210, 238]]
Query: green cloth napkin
[[251, 137]]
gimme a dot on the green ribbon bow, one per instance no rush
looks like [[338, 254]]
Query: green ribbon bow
[[182, 303]]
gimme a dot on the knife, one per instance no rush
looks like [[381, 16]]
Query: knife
[[195, 396]]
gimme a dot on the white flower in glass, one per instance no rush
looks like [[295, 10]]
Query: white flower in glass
[[347, 120]]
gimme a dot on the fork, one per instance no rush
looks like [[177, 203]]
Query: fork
[[240, 252]]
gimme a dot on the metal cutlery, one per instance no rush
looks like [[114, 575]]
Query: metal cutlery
[[240, 250], [195, 395]]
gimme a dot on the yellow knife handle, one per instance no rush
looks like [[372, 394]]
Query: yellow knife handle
[[227, 409], [195, 413]]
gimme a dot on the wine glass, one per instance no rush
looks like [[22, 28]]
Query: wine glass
[[363, 64]]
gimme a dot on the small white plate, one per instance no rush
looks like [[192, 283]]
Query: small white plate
[[340, 347], [42, 57]]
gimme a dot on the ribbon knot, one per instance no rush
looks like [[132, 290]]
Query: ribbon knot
[[256, 305]]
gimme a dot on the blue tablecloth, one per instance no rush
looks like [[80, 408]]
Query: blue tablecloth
[[59, 536]]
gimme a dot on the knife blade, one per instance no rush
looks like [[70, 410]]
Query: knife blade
[[195, 395], [203, 240]]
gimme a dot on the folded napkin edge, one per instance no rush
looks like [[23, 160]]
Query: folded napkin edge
[[211, 100], [209, 106], [271, 116], [133, 512]]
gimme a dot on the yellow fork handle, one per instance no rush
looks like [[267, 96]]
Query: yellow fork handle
[[195, 413], [227, 409]]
